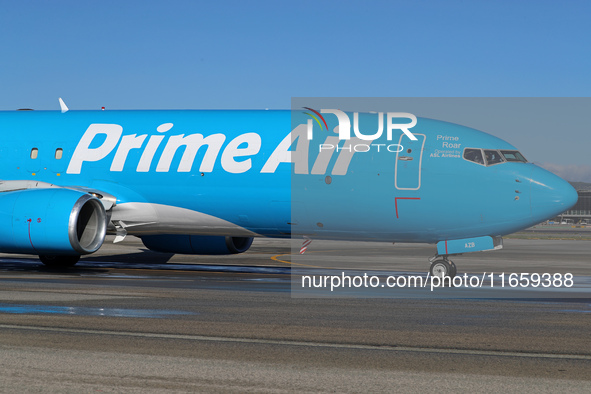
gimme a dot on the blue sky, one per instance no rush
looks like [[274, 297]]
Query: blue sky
[[259, 54]]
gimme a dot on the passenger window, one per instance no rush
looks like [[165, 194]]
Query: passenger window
[[474, 155], [58, 153], [513, 155], [34, 153], [492, 157]]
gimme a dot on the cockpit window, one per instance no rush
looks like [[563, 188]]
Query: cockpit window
[[492, 157], [513, 155], [474, 155]]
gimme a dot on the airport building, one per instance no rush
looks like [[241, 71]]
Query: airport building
[[581, 212]]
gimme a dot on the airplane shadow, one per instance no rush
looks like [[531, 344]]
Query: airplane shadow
[[144, 256], [87, 264]]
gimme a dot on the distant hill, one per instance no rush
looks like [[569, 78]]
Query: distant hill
[[581, 185]]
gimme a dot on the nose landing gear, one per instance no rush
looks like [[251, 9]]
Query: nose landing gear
[[441, 266]]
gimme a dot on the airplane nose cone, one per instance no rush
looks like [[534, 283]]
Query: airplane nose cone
[[550, 195]]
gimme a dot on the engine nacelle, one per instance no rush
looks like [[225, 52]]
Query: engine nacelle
[[196, 244], [51, 221]]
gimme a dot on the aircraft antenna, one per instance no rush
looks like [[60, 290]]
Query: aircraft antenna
[[63, 106]]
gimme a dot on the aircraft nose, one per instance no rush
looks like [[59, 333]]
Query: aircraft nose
[[550, 194]]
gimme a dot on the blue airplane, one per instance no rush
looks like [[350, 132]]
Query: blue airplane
[[209, 181]]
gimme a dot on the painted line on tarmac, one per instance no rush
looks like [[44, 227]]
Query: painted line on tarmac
[[241, 269], [203, 338], [277, 258], [244, 269]]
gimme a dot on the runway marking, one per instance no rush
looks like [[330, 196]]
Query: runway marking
[[191, 268], [276, 258], [203, 338]]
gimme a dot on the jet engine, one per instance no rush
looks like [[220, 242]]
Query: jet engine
[[197, 244], [57, 224]]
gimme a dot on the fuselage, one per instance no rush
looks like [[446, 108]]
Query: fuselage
[[255, 173]]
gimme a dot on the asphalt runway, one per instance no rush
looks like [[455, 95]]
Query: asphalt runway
[[129, 320]]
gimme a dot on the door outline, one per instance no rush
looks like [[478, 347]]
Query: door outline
[[401, 158]]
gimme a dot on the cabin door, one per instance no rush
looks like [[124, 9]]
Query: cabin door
[[408, 163]]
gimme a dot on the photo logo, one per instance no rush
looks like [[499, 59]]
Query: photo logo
[[344, 128], [316, 119]]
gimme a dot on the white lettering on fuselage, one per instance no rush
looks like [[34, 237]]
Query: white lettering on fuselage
[[100, 140], [449, 141], [450, 145], [447, 138]]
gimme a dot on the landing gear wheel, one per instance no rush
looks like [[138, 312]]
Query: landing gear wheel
[[441, 268], [454, 269], [64, 261]]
